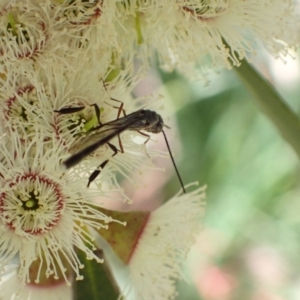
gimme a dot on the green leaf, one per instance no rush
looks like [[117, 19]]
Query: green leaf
[[97, 282], [271, 103]]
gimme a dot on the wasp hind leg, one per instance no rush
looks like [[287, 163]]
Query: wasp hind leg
[[97, 111], [96, 173], [69, 110], [72, 110]]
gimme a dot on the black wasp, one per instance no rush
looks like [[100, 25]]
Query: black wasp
[[144, 119]]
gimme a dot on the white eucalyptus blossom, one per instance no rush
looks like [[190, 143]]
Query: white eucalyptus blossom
[[28, 39], [52, 291], [186, 32], [55, 35], [91, 20], [170, 231], [44, 216]]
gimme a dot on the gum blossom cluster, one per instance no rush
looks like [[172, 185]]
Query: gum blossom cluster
[[61, 54]]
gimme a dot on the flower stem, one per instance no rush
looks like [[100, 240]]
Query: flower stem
[[138, 28], [272, 104], [12, 24]]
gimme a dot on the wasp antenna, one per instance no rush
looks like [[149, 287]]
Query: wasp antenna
[[173, 161], [167, 126]]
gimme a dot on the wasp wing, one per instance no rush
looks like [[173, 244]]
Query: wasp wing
[[90, 138], [101, 131], [97, 138]]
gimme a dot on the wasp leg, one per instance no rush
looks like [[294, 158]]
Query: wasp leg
[[119, 108], [144, 134], [147, 140], [70, 110], [96, 173], [97, 111]]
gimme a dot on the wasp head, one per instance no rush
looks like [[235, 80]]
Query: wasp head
[[153, 122]]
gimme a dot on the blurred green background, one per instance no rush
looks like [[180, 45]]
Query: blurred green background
[[250, 246]]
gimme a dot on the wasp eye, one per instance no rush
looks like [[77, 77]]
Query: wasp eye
[[142, 113]]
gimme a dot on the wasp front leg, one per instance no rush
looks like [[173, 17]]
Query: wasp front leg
[[119, 108], [147, 140]]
